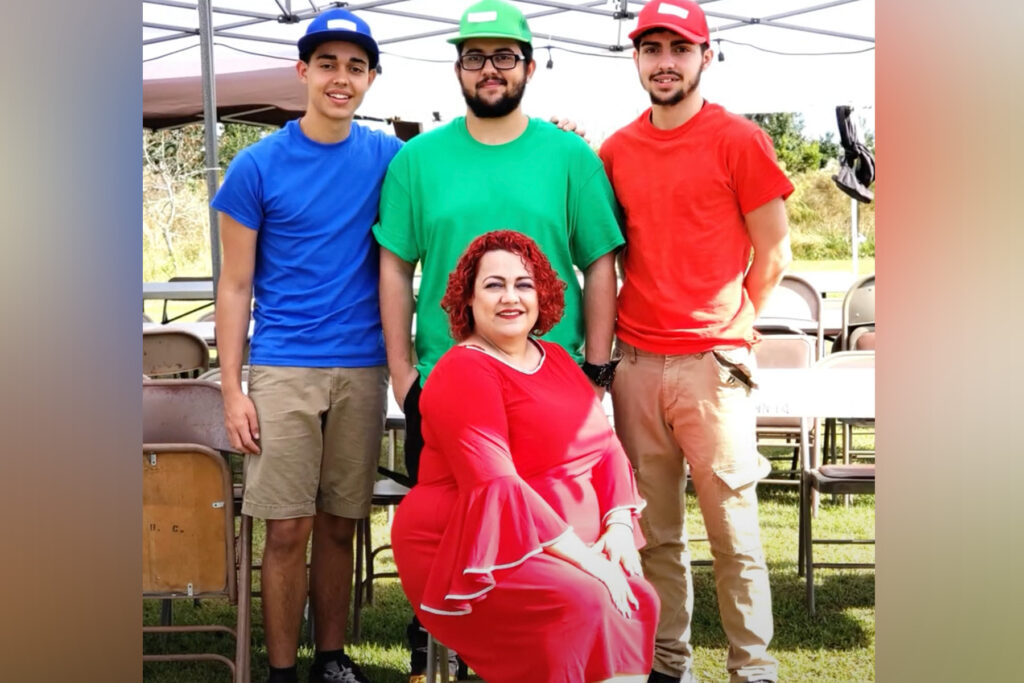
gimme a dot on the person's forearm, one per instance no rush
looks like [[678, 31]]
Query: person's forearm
[[232, 325], [765, 273], [396, 306], [599, 308]]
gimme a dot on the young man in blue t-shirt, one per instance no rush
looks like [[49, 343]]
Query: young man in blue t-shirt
[[295, 215]]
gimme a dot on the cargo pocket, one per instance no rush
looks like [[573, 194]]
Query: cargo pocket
[[738, 476], [733, 368]]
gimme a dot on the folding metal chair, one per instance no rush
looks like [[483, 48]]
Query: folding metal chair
[[796, 351], [172, 352], [188, 526], [835, 479], [857, 333], [793, 307]]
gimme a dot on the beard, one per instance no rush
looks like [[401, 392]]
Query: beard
[[495, 110], [678, 96]]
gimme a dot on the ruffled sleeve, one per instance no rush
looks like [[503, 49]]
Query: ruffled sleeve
[[615, 486], [498, 521]]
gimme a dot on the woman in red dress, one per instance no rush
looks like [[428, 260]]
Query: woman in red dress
[[518, 546]]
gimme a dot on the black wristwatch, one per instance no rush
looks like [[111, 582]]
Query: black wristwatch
[[601, 375]]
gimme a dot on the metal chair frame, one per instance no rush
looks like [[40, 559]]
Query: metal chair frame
[[184, 419], [835, 479]]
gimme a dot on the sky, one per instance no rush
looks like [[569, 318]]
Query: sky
[[601, 93]]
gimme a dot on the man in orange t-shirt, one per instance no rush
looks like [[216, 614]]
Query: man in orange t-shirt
[[700, 190]]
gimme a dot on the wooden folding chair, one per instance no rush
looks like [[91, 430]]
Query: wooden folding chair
[[188, 520], [172, 352]]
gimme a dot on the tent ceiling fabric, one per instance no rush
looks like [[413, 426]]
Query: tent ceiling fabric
[[257, 35], [265, 96]]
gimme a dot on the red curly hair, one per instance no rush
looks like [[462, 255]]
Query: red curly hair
[[462, 281]]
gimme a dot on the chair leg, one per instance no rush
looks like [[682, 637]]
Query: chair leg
[[358, 581], [368, 561], [800, 528], [166, 612], [808, 547], [243, 636], [437, 661]]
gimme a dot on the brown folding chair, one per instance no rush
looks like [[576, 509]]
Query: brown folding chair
[[188, 514], [172, 352], [835, 479]]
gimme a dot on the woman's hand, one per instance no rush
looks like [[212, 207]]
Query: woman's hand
[[569, 547], [617, 543], [614, 579]]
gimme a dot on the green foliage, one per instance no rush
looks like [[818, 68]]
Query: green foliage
[[819, 218], [796, 153], [175, 217], [236, 137]]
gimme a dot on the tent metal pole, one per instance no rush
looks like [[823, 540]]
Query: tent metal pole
[[210, 130], [854, 233]]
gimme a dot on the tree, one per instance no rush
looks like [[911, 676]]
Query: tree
[[795, 152], [174, 193]]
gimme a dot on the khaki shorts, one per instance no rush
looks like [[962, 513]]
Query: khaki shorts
[[320, 435]]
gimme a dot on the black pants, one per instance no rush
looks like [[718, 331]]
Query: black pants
[[413, 430]]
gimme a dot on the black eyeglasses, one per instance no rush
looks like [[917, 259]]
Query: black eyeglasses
[[503, 61]]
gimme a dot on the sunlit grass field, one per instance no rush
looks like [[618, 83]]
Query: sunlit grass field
[[837, 644]]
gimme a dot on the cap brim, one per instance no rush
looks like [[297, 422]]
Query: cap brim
[[307, 44], [488, 34], [696, 39]]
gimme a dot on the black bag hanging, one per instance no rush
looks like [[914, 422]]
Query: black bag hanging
[[856, 165]]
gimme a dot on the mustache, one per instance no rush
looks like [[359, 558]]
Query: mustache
[[497, 79], [666, 72]]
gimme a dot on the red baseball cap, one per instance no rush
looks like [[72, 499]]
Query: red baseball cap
[[681, 16]]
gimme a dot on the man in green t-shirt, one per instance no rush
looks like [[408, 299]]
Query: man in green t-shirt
[[494, 168]]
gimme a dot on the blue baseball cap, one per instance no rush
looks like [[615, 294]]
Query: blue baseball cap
[[338, 24]]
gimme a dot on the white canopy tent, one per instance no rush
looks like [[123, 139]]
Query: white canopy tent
[[779, 55]]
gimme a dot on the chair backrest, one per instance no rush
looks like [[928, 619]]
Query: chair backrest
[[794, 298], [785, 351], [847, 359], [862, 338], [213, 375], [792, 304], [170, 351], [796, 351], [187, 522], [858, 308], [184, 411]]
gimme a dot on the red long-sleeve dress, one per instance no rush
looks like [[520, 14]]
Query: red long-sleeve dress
[[512, 460]]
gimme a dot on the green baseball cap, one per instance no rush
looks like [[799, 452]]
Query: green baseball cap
[[492, 19]]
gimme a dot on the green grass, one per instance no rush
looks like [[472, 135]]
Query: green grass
[[835, 645], [865, 265]]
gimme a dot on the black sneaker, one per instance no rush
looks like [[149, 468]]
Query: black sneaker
[[658, 677], [340, 670]]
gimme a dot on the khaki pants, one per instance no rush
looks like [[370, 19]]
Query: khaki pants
[[694, 410]]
